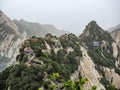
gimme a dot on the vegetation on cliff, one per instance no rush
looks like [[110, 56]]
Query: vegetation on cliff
[[50, 61]]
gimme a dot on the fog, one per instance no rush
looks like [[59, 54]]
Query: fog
[[70, 15]]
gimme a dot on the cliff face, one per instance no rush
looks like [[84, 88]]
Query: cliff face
[[103, 53], [115, 32], [87, 69], [10, 40], [94, 55], [14, 32]]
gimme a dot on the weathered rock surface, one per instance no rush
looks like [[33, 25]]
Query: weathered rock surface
[[14, 32], [115, 32], [10, 41]]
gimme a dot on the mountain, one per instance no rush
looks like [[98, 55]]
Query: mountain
[[114, 28], [14, 32], [94, 55], [10, 40], [115, 32], [37, 29], [104, 52]]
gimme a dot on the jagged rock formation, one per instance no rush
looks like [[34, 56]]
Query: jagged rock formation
[[10, 41], [87, 69], [49, 54], [115, 32], [104, 52], [13, 33], [94, 55]]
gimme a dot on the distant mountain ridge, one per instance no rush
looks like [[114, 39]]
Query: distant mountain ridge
[[37, 29], [115, 32], [114, 28]]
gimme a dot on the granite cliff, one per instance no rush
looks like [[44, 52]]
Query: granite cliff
[[115, 32], [10, 41], [14, 32], [94, 55]]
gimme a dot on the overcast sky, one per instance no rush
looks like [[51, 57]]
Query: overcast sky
[[70, 15]]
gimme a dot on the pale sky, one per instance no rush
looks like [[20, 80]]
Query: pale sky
[[70, 15]]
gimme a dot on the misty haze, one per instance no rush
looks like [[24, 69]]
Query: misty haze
[[59, 45]]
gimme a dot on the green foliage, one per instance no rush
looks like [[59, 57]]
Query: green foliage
[[52, 87], [98, 34], [68, 40], [102, 55], [63, 61], [3, 77], [25, 58], [46, 54], [83, 81], [117, 71], [40, 89], [78, 51], [22, 77], [94, 87], [54, 76], [111, 87], [38, 53], [46, 84], [34, 86], [97, 57], [20, 57], [70, 85]]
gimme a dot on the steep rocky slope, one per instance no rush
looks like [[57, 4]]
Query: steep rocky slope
[[115, 32], [93, 55], [13, 33], [104, 52], [10, 40]]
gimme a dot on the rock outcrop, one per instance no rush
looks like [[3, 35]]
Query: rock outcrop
[[10, 41], [94, 55], [14, 32], [87, 69], [105, 56], [115, 32]]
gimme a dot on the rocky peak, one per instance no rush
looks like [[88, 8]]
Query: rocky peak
[[92, 28], [10, 40], [92, 24], [8, 24], [94, 32], [66, 56], [102, 49], [93, 55]]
